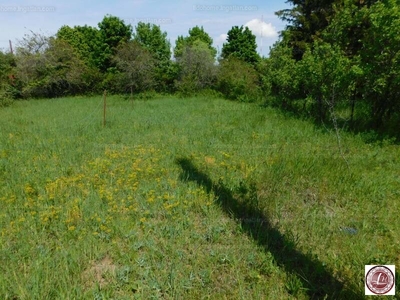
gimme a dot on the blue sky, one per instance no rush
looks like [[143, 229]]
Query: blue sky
[[175, 17]]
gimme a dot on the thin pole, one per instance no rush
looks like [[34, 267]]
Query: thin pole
[[105, 106], [262, 27], [131, 96], [11, 48]]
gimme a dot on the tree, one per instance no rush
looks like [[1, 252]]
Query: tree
[[366, 31], [113, 32], [307, 19], [197, 69], [380, 58], [327, 78], [241, 43], [58, 71], [281, 76], [155, 41], [85, 40], [136, 65], [339, 56], [195, 34], [33, 43]]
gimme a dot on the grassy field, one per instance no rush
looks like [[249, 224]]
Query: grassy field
[[188, 199]]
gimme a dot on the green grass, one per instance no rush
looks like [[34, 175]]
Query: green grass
[[188, 199]]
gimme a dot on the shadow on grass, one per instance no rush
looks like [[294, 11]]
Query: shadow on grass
[[315, 279]]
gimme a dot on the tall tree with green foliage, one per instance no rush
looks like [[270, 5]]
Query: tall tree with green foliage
[[113, 32], [380, 61], [241, 43], [306, 20], [86, 42], [97, 46], [367, 32], [152, 38], [349, 61], [195, 34]]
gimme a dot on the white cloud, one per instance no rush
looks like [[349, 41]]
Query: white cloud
[[260, 28], [221, 38]]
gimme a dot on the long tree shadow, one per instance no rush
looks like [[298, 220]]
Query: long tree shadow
[[316, 280]]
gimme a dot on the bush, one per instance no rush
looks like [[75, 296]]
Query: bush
[[112, 82], [165, 76], [57, 71], [6, 98], [327, 79], [187, 86], [238, 80], [147, 95], [280, 77]]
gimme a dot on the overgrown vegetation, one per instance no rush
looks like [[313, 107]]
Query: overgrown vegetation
[[341, 56], [164, 206], [202, 197], [336, 62], [238, 80]]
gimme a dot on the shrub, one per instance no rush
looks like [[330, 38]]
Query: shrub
[[6, 98], [238, 80], [56, 71]]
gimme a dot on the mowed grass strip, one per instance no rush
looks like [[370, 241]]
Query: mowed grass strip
[[188, 198]]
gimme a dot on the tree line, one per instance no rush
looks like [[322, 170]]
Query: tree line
[[114, 56], [335, 59], [339, 59]]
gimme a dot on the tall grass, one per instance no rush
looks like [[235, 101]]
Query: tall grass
[[188, 198]]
